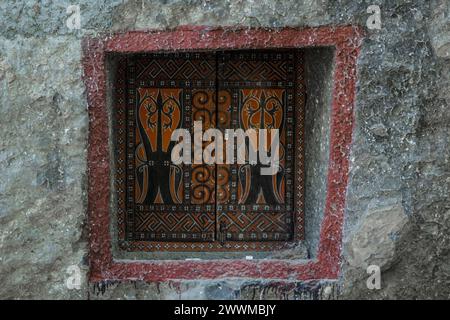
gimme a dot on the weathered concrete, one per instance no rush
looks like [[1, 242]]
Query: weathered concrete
[[400, 151]]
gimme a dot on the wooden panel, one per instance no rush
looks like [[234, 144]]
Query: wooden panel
[[258, 92], [167, 202], [170, 207]]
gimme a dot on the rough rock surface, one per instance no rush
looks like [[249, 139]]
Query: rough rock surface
[[375, 240], [400, 151]]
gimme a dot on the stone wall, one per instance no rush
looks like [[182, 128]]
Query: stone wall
[[398, 208]]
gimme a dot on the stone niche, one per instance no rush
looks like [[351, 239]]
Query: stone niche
[[317, 65], [329, 57]]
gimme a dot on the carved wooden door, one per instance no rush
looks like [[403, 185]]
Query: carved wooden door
[[184, 207], [167, 202], [258, 90]]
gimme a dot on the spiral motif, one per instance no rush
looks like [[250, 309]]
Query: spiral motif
[[200, 98], [201, 174], [223, 175], [222, 195], [201, 193], [204, 116]]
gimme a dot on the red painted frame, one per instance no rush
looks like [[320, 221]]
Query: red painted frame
[[346, 40]]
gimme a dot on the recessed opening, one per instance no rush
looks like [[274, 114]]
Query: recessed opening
[[328, 53], [240, 214]]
